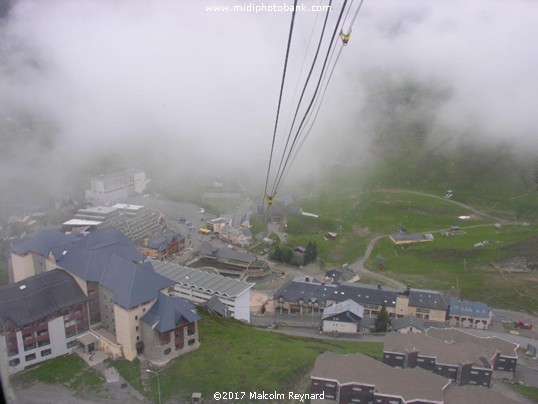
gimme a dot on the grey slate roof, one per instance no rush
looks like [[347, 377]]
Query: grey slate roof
[[367, 294], [408, 321], [194, 278], [313, 290], [167, 312], [132, 284], [36, 297], [469, 309], [107, 256], [343, 307], [42, 243], [226, 253], [429, 299], [162, 241], [308, 290], [214, 305], [411, 384]]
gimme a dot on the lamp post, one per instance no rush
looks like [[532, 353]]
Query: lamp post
[[158, 383]]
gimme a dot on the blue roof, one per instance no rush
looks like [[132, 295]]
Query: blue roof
[[107, 256], [167, 312], [38, 296], [468, 308], [132, 284], [43, 243]]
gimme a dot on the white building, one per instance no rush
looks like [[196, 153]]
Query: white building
[[200, 286], [343, 317], [113, 187]]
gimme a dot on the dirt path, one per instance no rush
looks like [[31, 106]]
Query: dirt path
[[463, 205]]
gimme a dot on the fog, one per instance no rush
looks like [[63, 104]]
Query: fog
[[180, 91]]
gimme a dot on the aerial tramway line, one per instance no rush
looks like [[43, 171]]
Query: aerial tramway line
[[297, 134]]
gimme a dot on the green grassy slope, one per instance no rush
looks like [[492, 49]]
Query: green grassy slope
[[236, 357]]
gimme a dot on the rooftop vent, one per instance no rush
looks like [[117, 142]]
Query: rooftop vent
[[64, 253], [22, 287]]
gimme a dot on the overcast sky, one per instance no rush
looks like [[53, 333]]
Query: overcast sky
[[183, 84]]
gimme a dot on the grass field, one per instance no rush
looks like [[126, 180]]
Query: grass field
[[357, 218], [529, 392], [69, 370], [446, 263], [236, 357], [454, 262]]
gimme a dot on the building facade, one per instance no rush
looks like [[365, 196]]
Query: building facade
[[304, 295], [198, 287], [112, 188], [118, 287], [41, 318]]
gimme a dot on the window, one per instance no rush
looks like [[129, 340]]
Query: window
[[30, 346], [136, 328], [46, 352], [44, 342], [167, 351], [137, 338], [30, 357], [14, 362], [474, 372], [136, 318], [72, 344], [192, 342]]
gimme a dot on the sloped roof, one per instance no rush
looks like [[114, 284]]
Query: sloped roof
[[226, 253], [469, 309], [408, 321], [42, 243], [214, 305], [88, 256], [343, 307], [492, 344], [429, 299], [307, 289], [38, 296], [316, 291], [132, 284], [367, 294], [196, 279], [107, 256], [445, 353], [167, 313], [456, 394], [410, 384]]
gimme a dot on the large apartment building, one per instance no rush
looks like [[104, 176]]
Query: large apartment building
[[124, 295], [41, 317], [114, 187], [135, 221]]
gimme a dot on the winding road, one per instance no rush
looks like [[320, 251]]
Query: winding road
[[359, 267]]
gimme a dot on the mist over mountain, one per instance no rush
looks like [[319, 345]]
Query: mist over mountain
[[187, 94]]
